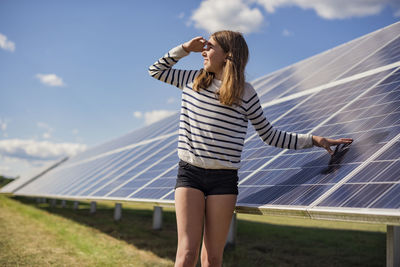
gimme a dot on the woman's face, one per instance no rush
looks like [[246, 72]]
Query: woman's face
[[214, 57]]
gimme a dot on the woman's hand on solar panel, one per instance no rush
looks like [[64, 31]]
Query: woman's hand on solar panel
[[327, 142], [195, 45]]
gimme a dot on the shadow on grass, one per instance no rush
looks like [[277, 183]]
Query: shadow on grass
[[259, 244]]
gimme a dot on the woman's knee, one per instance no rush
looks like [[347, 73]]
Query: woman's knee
[[211, 259], [186, 257]]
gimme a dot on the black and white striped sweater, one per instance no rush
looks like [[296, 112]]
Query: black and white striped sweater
[[211, 135]]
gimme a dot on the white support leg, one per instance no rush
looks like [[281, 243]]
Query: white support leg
[[393, 246], [93, 206], [76, 205], [117, 211], [230, 241], [63, 203], [157, 218]]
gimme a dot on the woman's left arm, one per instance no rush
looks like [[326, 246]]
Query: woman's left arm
[[275, 137]]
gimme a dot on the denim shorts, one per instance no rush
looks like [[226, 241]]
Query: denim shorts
[[209, 181]]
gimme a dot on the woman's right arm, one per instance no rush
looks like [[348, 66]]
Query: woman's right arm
[[162, 69]]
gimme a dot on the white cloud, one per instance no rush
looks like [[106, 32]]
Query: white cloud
[[75, 131], [4, 169], [13, 167], [171, 100], [50, 79], [3, 125], [237, 15], [46, 127], [287, 33], [38, 150], [46, 135], [181, 15], [245, 15], [156, 115], [153, 116], [334, 9], [138, 114], [6, 44]]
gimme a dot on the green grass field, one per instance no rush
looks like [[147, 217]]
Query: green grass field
[[37, 235]]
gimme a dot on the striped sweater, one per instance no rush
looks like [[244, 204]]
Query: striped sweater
[[211, 135]]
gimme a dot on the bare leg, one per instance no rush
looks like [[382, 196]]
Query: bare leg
[[189, 208], [219, 211]]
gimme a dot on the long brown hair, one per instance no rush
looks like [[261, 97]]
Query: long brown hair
[[233, 79]]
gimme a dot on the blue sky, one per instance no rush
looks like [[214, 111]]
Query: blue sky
[[73, 74]]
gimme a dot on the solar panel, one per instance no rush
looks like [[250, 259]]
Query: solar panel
[[343, 61], [161, 128], [300, 178], [30, 175], [352, 90]]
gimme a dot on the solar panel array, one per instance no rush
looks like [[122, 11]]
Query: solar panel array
[[352, 91]]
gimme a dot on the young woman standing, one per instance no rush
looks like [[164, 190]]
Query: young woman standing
[[217, 104]]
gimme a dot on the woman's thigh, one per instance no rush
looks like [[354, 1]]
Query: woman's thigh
[[189, 208], [219, 211]]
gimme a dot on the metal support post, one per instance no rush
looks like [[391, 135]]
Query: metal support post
[[63, 203], [117, 211], [93, 205], [76, 205], [393, 246], [157, 218]]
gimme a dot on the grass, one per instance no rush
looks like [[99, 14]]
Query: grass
[[35, 235], [38, 235], [5, 180]]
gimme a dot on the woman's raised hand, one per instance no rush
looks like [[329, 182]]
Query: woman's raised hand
[[195, 45], [327, 143]]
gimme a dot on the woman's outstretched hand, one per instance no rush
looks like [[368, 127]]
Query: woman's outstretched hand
[[327, 143], [195, 45]]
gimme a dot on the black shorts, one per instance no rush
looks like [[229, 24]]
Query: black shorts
[[209, 181]]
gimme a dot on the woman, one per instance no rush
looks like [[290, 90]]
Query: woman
[[216, 106]]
